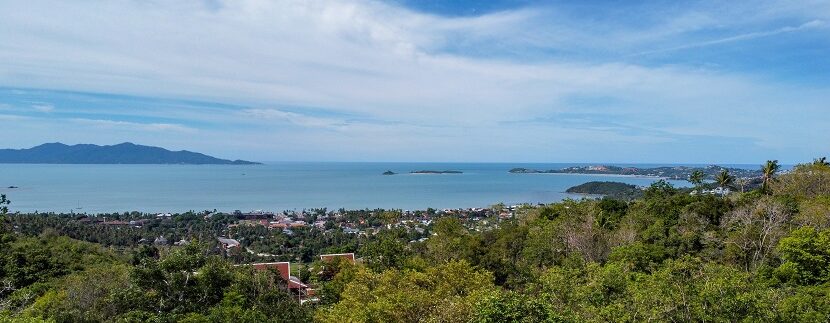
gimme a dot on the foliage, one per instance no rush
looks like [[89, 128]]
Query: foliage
[[806, 256], [665, 256], [444, 292], [724, 179], [768, 172], [696, 178]]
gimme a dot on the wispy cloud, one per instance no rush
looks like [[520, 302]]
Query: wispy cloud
[[293, 118], [43, 107], [131, 126], [813, 24], [414, 85]]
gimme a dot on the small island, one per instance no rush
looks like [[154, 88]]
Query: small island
[[388, 172], [520, 170], [610, 189], [436, 172]]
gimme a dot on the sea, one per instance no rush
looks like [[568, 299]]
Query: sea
[[280, 186]]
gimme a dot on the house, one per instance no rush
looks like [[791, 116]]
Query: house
[[139, 223], [717, 191], [160, 241], [298, 224], [228, 243]]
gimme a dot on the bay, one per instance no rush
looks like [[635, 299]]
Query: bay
[[285, 186]]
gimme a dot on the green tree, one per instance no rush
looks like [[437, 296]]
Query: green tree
[[446, 292], [806, 255], [768, 172], [804, 182], [724, 179], [511, 307], [821, 161], [696, 178], [4, 209], [384, 252]]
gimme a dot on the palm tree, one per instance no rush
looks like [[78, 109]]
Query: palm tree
[[724, 179], [768, 171], [742, 182], [696, 178], [821, 161]]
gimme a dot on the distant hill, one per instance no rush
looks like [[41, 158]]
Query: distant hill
[[673, 172], [124, 153]]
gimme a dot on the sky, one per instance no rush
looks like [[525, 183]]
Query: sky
[[423, 80]]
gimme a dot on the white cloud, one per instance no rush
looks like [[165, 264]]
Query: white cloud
[[133, 126], [43, 107], [293, 118], [429, 80]]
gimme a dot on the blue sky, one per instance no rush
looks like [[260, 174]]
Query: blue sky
[[409, 80]]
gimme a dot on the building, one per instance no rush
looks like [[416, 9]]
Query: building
[[160, 241], [228, 243]]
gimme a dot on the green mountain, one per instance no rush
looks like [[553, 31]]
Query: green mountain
[[124, 153]]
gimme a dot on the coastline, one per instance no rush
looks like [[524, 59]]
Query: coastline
[[604, 175]]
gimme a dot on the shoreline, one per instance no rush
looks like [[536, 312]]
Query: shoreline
[[607, 175]]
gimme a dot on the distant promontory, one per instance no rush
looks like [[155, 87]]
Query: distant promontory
[[436, 172], [673, 172], [124, 153]]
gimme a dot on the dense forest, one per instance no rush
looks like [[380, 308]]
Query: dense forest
[[761, 255]]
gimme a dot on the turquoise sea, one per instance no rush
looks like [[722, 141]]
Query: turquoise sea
[[283, 186]]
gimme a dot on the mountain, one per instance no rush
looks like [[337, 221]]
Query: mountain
[[124, 153]]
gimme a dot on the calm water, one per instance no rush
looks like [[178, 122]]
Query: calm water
[[281, 186]]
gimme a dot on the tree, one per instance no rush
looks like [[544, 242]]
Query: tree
[[4, 205], [3, 210], [385, 252], [444, 293], [806, 255], [768, 172], [660, 189], [753, 231], [696, 178], [724, 179], [805, 181], [821, 161], [742, 182]]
